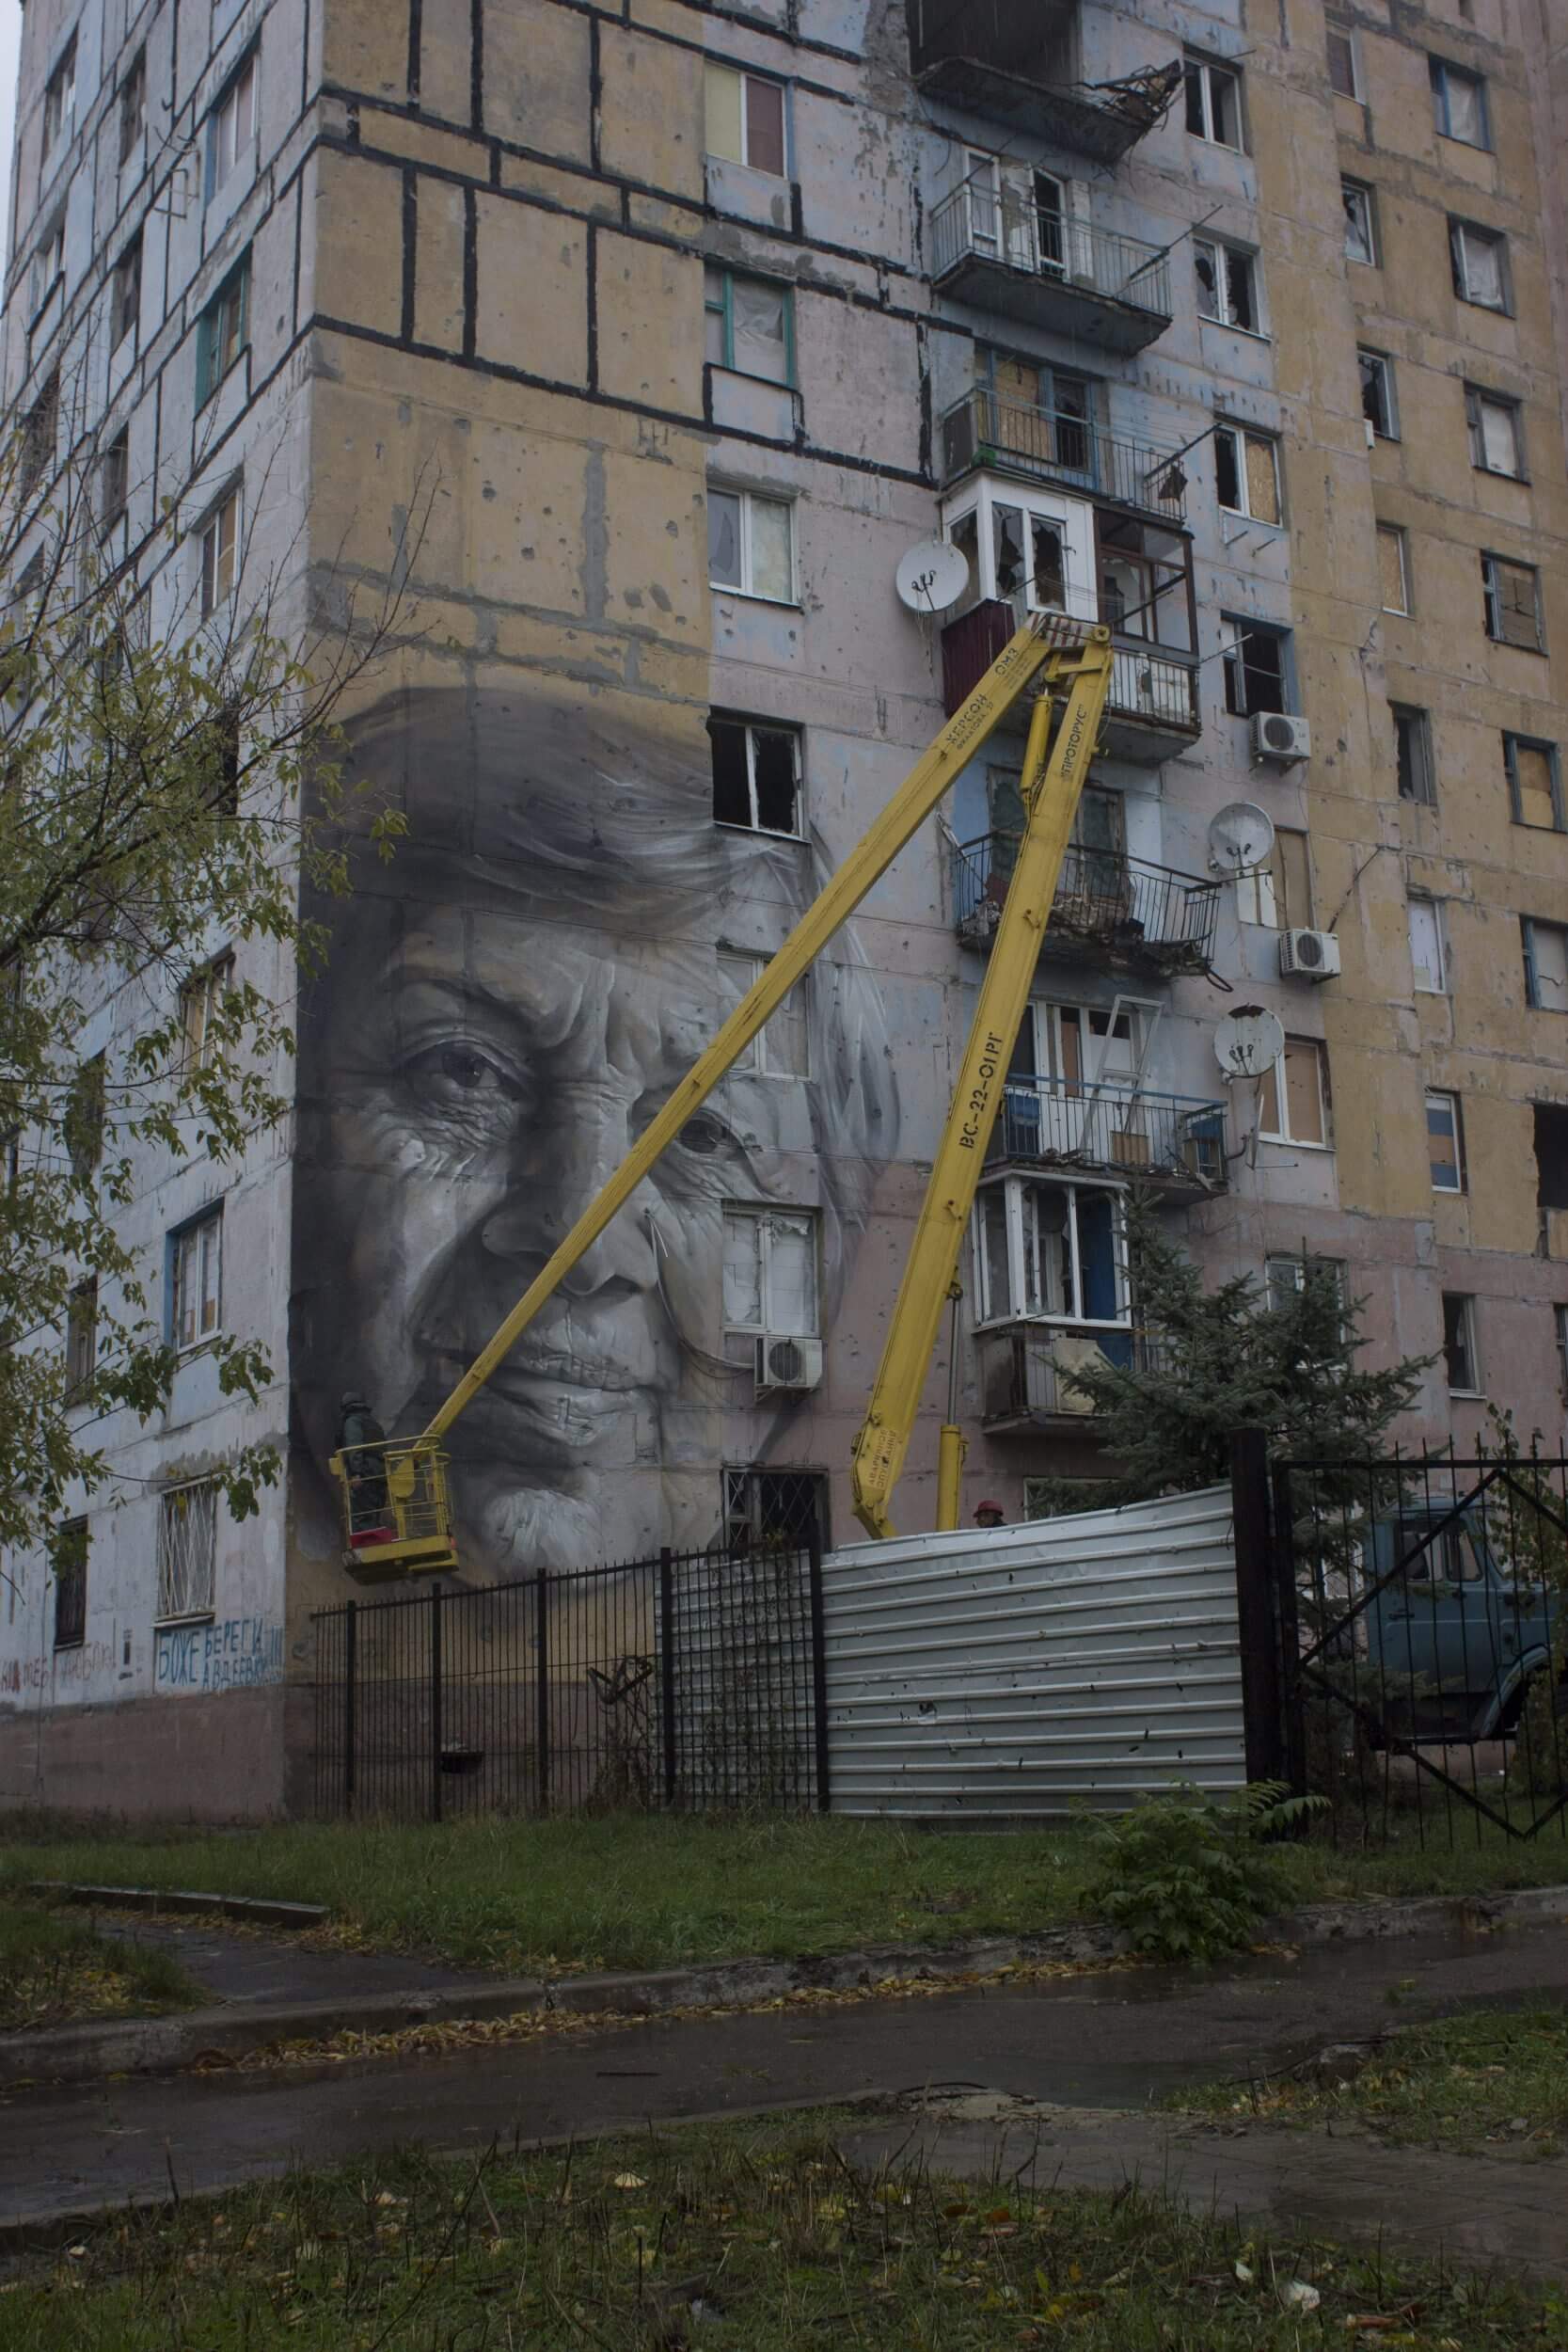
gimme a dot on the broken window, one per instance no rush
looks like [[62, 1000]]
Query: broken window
[[1343, 77], [1246, 468], [1392, 569], [1144, 581], [1254, 672], [1545, 964], [1413, 753], [1226, 288], [1428, 962], [1294, 1098], [1459, 1343], [59, 101], [1479, 258], [1377, 395], [781, 1049], [1495, 441], [751, 544], [1511, 597], [745, 119], [769, 1271], [1051, 1251], [1280, 893], [756, 776], [1551, 1155], [1459, 103], [750, 325], [1049, 208], [125, 293], [1445, 1142], [1535, 783], [1360, 240], [133, 106], [1213, 95]]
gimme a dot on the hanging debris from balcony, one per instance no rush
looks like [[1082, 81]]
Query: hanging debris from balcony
[[1144, 98]]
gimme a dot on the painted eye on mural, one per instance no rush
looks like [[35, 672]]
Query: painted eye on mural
[[466, 1082], [704, 1134]]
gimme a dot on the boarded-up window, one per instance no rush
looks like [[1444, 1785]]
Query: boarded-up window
[[1393, 583], [1426, 960], [1534, 786], [1513, 603], [1545, 965], [1292, 869], [1444, 1153], [1294, 1105]]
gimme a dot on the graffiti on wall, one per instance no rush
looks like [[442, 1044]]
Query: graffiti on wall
[[78, 1664], [506, 1006], [232, 1654]]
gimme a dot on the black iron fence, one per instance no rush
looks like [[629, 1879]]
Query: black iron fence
[[681, 1682], [1149, 916]]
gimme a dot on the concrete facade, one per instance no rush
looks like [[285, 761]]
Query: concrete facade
[[676, 328]]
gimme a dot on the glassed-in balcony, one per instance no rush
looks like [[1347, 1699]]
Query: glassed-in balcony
[[988, 429], [1116, 912], [1152, 708], [1175, 1142], [1020, 254], [1016, 60]]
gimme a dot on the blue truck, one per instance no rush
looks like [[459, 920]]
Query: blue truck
[[1453, 1639]]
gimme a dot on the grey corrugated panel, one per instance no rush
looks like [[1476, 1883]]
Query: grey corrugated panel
[[1027, 1669]]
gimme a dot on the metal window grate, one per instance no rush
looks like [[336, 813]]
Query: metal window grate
[[187, 1550]]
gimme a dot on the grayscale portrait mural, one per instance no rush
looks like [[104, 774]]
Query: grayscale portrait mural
[[507, 1005]]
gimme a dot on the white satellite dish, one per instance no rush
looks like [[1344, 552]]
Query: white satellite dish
[[1248, 1041], [931, 576], [1241, 838]]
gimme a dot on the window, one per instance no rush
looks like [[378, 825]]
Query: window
[[234, 126], [201, 997], [1393, 568], [751, 544], [114, 478], [1295, 1105], [1214, 103], [1143, 576], [1344, 78], [1246, 472], [196, 1280], [1445, 1142], [187, 1550], [1254, 669], [1512, 595], [1545, 965], [1360, 233], [68, 1557], [223, 331], [1227, 284], [1479, 258], [220, 549], [1051, 1252], [1535, 783], [40, 434], [770, 1281], [133, 106], [1279, 892], [81, 1336], [1551, 1155], [1042, 413], [59, 101], [782, 1050], [750, 325], [745, 117], [1459, 103], [1496, 437], [1427, 962], [1377, 395], [85, 1110], [1459, 1343], [125, 294], [1285, 1278], [48, 263], [756, 774], [1413, 753], [766, 1509]]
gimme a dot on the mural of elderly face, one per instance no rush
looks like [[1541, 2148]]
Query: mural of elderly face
[[506, 1006]]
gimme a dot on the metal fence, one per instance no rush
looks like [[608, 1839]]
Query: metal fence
[[685, 1681], [1147, 914], [986, 428], [981, 222]]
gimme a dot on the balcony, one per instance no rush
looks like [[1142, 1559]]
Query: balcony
[[997, 250], [1151, 710], [1026, 1372], [1116, 912], [1173, 1142], [1016, 63], [1014, 437]]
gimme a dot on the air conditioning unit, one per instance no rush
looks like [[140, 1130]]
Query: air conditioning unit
[[786, 1363], [1308, 956], [1278, 736]]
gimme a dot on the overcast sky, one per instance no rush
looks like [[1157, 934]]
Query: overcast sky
[[10, 37]]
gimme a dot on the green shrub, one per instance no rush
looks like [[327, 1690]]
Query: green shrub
[[1188, 1876]]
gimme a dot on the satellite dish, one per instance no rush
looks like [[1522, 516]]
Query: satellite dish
[[931, 576], [1248, 1041], [1241, 838]]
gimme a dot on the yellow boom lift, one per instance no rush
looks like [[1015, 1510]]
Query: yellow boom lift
[[396, 1508]]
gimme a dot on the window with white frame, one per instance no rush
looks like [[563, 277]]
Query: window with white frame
[[1344, 73], [1445, 1141], [1459, 1356], [223, 331], [199, 999], [1227, 284], [1535, 783], [782, 1048], [1256, 667], [196, 1280], [1496, 435], [1429, 962], [770, 1276], [749, 323], [1377, 395], [1051, 1252], [1393, 568], [1213, 95], [1459, 103], [1285, 1277], [59, 103], [1246, 472], [234, 126], [125, 294], [1293, 1104], [48, 263], [745, 118], [1066, 1048], [133, 106], [1413, 759], [220, 551], [187, 1550], [1360, 223], [751, 544], [1031, 548], [1512, 595], [1545, 964], [1479, 258], [756, 774]]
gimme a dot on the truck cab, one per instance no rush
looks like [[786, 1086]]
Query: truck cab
[[1453, 1636]]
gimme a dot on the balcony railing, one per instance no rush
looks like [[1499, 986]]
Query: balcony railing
[[1026, 1370], [1153, 705], [998, 249], [1176, 1141], [1107, 909], [1012, 435]]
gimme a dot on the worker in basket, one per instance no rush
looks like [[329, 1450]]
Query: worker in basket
[[989, 1515], [360, 1438]]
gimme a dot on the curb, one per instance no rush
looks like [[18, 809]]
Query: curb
[[162, 2045], [262, 1911]]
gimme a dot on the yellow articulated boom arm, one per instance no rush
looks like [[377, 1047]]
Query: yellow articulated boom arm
[[1042, 645], [1050, 791]]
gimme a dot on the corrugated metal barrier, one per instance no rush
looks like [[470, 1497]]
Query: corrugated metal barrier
[[1024, 1670]]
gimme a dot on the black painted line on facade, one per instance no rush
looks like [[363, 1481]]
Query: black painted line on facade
[[410, 247], [416, 43], [476, 64], [470, 275]]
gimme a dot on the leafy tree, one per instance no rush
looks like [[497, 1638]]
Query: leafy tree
[[169, 776]]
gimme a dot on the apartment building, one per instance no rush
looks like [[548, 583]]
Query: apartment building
[[642, 343]]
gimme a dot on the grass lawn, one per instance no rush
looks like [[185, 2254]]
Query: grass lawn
[[648, 1890], [1497, 2076], [750, 2238], [54, 1968]]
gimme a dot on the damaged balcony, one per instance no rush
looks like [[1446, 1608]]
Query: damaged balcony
[[1111, 1128], [1026, 1372], [987, 430], [1116, 912], [1018, 63], [1153, 707], [1022, 256]]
